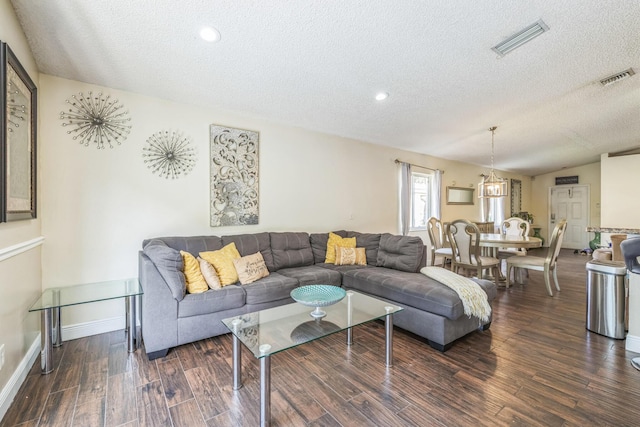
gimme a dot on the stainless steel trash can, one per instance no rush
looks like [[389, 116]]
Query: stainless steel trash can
[[606, 298]]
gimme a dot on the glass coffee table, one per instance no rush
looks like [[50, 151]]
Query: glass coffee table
[[277, 329], [53, 299]]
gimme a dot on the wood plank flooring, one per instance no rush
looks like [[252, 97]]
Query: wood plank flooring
[[536, 366]]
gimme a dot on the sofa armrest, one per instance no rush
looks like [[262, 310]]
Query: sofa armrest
[[159, 308]]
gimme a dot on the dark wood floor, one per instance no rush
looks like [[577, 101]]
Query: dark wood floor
[[537, 365]]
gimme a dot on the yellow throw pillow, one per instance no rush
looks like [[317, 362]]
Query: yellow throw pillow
[[351, 256], [251, 268], [222, 261], [195, 281], [335, 240], [209, 274]]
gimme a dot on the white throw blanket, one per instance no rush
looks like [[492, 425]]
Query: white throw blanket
[[474, 298]]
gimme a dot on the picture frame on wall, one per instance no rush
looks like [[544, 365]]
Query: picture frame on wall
[[234, 176], [18, 154]]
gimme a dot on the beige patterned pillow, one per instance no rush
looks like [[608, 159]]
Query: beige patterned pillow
[[351, 256], [251, 268], [209, 274]]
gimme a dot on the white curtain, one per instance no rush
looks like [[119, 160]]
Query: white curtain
[[405, 198], [436, 195], [492, 210]]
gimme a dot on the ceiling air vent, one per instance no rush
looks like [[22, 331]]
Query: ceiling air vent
[[520, 38], [617, 77]]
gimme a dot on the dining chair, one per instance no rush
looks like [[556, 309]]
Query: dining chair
[[548, 264], [464, 237], [436, 237], [513, 226]]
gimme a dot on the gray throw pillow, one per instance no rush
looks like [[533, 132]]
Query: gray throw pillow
[[169, 263], [402, 253]]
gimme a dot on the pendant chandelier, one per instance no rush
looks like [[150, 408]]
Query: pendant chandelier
[[491, 185]]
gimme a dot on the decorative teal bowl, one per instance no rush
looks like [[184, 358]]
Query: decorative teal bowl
[[318, 296]]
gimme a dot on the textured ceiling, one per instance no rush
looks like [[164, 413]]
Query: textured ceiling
[[317, 64]]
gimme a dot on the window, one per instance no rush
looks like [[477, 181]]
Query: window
[[420, 200]]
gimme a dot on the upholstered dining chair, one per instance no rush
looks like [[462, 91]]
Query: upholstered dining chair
[[436, 237], [464, 237], [548, 264], [513, 226]]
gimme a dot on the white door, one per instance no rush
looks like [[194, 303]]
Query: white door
[[570, 202]]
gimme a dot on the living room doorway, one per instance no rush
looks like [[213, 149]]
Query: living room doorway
[[570, 202]]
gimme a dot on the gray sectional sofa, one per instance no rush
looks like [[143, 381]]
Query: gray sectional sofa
[[170, 317]]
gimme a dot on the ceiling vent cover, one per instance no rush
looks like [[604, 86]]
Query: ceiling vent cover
[[617, 77], [520, 38]]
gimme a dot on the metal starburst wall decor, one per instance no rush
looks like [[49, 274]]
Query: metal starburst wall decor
[[16, 107], [96, 119], [169, 154]]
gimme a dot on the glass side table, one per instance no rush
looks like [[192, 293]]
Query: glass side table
[[53, 299]]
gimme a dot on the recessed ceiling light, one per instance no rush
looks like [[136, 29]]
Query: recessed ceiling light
[[381, 96], [520, 38], [209, 34]]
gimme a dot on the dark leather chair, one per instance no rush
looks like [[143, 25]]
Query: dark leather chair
[[631, 251]]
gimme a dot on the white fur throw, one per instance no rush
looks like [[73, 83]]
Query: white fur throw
[[474, 298]]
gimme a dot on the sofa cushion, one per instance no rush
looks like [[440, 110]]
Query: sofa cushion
[[411, 289], [169, 263], [403, 253], [250, 268], [222, 261], [319, 245], [312, 275], [351, 256], [369, 241], [192, 244], [335, 241], [291, 250], [212, 301], [341, 268], [209, 273], [248, 244], [274, 287], [196, 283]]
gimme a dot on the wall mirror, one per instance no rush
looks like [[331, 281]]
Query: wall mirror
[[459, 196], [17, 139]]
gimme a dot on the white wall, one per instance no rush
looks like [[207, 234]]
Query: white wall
[[621, 209], [98, 205], [19, 269], [620, 204]]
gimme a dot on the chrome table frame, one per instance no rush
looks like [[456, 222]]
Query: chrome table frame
[[265, 357], [52, 300]]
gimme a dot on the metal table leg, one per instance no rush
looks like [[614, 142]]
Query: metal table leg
[[46, 341], [131, 303], [237, 368], [265, 391], [388, 341], [55, 318], [349, 315]]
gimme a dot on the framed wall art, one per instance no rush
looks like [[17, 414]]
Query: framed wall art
[[18, 155], [234, 176], [516, 197]]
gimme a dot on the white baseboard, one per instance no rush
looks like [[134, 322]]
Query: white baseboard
[[70, 332], [81, 330], [10, 390], [633, 343]]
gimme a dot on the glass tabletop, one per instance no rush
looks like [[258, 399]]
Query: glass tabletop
[[276, 329], [86, 293]]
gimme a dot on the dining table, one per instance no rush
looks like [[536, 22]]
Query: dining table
[[497, 240], [491, 242]]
